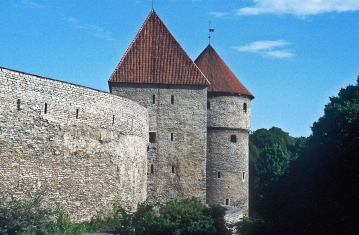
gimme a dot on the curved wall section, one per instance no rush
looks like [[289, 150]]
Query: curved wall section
[[231, 111], [227, 168], [69, 144]]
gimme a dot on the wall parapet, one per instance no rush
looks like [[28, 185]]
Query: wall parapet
[[73, 145]]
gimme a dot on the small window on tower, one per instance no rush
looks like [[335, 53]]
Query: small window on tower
[[153, 99], [208, 105], [152, 137], [172, 99], [243, 176], [173, 169], [244, 107], [152, 169], [18, 104], [227, 202], [171, 136], [233, 138], [219, 174], [45, 110], [77, 113]]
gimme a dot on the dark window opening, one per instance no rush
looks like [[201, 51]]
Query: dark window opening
[[208, 105], [227, 202], [233, 138], [171, 136], [173, 169], [243, 175], [153, 99], [152, 137], [45, 110], [219, 175], [113, 119], [172, 99], [18, 104], [152, 169], [77, 113], [245, 107]]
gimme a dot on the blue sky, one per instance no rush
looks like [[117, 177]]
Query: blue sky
[[292, 55]]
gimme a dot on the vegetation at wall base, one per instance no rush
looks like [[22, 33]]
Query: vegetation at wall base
[[189, 216]]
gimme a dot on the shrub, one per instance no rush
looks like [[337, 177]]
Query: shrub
[[25, 217]]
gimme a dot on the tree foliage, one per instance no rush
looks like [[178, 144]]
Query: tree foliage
[[25, 217], [318, 192]]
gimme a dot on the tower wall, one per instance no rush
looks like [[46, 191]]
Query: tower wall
[[68, 144], [177, 156], [227, 150]]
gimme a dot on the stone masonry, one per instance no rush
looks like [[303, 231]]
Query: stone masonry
[[69, 144], [170, 128], [177, 155], [227, 150]]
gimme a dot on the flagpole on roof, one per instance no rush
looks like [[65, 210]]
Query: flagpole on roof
[[209, 32]]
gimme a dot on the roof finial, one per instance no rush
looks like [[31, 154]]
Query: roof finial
[[209, 32], [152, 4]]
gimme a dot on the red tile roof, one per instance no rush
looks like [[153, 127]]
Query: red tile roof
[[156, 57], [222, 79]]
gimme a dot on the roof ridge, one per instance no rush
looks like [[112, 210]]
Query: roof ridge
[[221, 77], [155, 56], [138, 33]]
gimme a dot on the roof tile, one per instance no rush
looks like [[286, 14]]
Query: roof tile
[[222, 79], [156, 57]]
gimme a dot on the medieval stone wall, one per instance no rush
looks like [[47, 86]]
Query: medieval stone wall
[[227, 168], [228, 151], [177, 156], [230, 111], [69, 144]]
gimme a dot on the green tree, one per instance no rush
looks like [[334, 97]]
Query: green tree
[[319, 193]]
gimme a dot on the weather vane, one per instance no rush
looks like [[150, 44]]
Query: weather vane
[[209, 32]]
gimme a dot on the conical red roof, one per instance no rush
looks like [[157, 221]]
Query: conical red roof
[[156, 57], [222, 79]]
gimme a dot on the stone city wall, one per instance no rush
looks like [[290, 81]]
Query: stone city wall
[[228, 111], [72, 145], [227, 150], [177, 116], [227, 168]]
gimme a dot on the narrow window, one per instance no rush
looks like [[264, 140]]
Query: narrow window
[[153, 99], [45, 110], [219, 174], [18, 104], [243, 175], [173, 169], [77, 113], [208, 105], [244, 107], [152, 137], [227, 202], [233, 138], [172, 99], [113, 119], [152, 170], [171, 136]]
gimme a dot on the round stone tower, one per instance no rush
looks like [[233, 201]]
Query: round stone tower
[[228, 126]]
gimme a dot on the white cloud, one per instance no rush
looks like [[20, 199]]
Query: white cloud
[[268, 48], [29, 4], [93, 29], [219, 14], [298, 7]]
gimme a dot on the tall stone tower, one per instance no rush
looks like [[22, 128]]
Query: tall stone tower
[[157, 73], [228, 125]]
